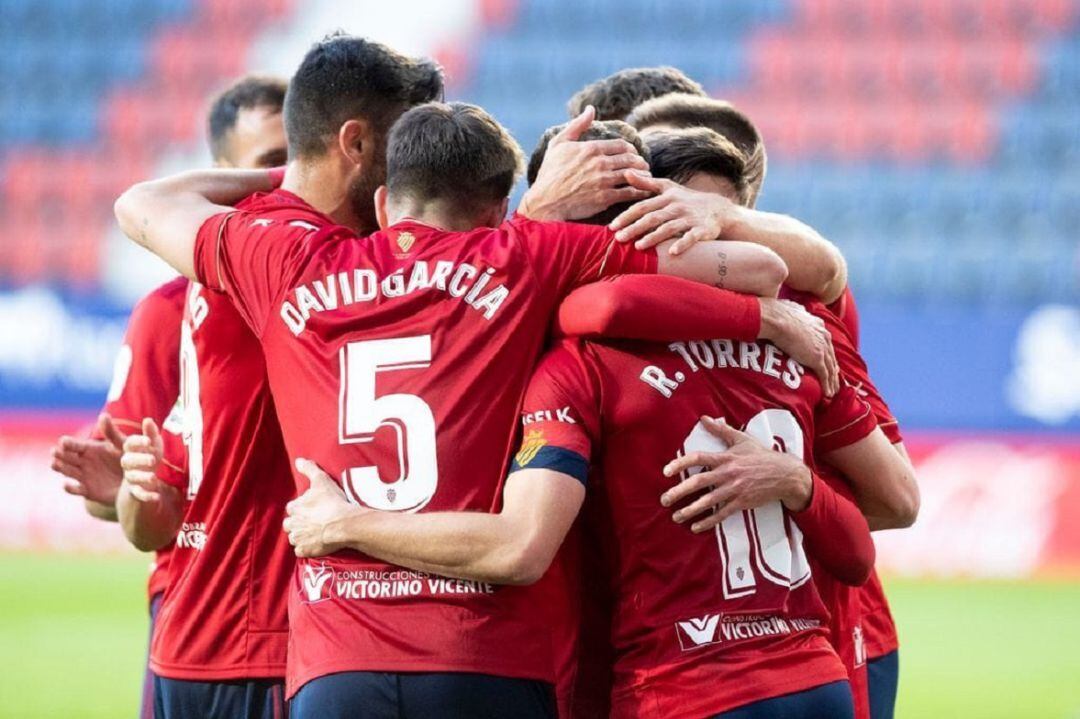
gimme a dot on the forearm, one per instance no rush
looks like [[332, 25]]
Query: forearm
[[738, 266], [658, 308], [104, 512], [165, 215], [836, 534], [464, 545], [149, 525], [815, 265]]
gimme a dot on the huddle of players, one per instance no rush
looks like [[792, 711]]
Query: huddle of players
[[399, 358]]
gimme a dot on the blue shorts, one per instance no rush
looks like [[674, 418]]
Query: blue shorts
[[247, 698], [828, 701], [882, 679], [382, 695], [146, 705]]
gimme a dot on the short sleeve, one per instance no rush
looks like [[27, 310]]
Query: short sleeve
[[842, 420], [146, 373], [252, 257], [567, 255], [560, 416], [854, 372]]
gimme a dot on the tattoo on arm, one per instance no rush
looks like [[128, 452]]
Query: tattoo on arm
[[142, 231], [721, 270]]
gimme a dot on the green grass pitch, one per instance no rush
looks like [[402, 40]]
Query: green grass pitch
[[73, 639]]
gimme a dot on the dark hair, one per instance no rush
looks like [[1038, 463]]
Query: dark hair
[[343, 77], [245, 94], [452, 151], [616, 95], [678, 155], [685, 111], [606, 130]]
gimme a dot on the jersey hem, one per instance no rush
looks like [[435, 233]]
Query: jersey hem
[[210, 673], [293, 684]]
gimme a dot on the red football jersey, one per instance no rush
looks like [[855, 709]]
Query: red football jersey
[[878, 628], [845, 616], [398, 362], [844, 308], [146, 379], [224, 615], [702, 623]]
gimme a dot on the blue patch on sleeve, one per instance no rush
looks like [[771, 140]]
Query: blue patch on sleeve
[[557, 459]]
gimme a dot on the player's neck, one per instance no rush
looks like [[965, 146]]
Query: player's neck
[[439, 215], [318, 185]]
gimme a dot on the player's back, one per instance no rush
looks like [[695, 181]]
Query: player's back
[[222, 616], [398, 363], [732, 609]]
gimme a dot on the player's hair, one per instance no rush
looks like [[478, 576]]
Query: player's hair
[[684, 111], [452, 151], [247, 93], [344, 77], [605, 130], [678, 155], [616, 95]]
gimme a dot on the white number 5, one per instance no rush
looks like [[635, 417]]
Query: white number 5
[[361, 414]]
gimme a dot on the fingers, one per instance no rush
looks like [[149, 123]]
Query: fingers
[[150, 429], [708, 502], [142, 494], [138, 460], [693, 459], [623, 224], [670, 229], [138, 444], [65, 468], [619, 195], [832, 370], [75, 488], [690, 238], [622, 162], [314, 473], [648, 182], [711, 521], [575, 127], [72, 446], [109, 431], [689, 486], [724, 431]]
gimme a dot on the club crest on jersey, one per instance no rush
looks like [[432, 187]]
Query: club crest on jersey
[[533, 442], [405, 241], [317, 580]]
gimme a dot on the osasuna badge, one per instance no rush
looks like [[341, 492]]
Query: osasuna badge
[[533, 442], [405, 241]]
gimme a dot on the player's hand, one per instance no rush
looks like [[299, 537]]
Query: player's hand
[[310, 514], [744, 476], [675, 213], [91, 466], [580, 179], [803, 337], [142, 455]]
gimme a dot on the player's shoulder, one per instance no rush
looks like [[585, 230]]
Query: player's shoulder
[[276, 210], [166, 300], [525, 227]]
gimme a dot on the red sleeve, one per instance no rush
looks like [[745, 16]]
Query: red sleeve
[[146, 375], [835, 532], [560, 415], [566, 255], [842, 421], [845, 310], [660, 308], [252, 257], [854, 371]]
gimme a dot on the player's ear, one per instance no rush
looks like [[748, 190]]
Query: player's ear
[[352, 137], [381, 214]]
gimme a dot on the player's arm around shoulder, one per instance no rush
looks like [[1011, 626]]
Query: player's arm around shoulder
[[165, 215], [513, 546]]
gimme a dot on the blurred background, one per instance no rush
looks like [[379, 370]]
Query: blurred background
[[937, 142]]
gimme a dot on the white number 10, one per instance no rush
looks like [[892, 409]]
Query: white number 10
[[361, 414], [760, 533]]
